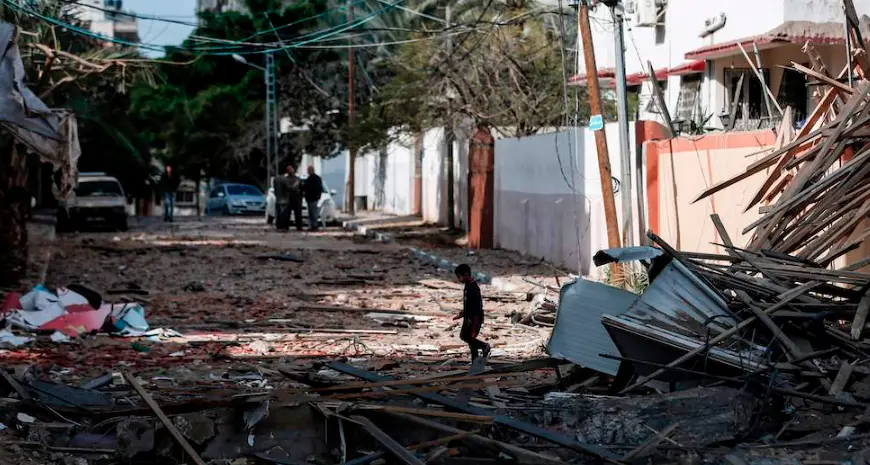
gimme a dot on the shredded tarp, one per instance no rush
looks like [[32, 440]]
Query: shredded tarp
[[52, 134], [71, 314]]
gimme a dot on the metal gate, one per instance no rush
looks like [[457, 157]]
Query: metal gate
[[481, 165]]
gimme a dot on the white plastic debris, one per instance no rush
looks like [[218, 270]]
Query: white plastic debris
[[25, 418], [118, 379], [39, 306], [59, 337], [846, 432], [177, 354], [10, 340]]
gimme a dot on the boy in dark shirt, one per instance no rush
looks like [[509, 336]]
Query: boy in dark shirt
[[472, 313]]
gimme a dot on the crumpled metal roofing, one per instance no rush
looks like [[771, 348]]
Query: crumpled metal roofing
[[578, 335], [677, 306]]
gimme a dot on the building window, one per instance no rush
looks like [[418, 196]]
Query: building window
[[794, 93], [751, 108], [689, 101]]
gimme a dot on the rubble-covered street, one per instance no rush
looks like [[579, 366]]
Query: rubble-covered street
[[234, 308]]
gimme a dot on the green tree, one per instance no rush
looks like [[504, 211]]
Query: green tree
[[504, 68]]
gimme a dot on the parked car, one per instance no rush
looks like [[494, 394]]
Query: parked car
[[236, 199], [97, 200], [328, 211]]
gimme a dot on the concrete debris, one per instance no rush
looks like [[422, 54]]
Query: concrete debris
[[135, 436], [197, 427]]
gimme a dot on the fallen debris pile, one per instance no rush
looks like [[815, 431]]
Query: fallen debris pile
[[782, 319], [69, 312]]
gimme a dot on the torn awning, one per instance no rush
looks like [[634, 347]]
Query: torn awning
[[789, 32], [636, 79], [606, 78], [689, 67]]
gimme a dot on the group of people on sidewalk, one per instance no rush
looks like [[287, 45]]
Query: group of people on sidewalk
[[285, 199]]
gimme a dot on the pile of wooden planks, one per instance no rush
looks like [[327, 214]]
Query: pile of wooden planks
[[818, 193], [784, 287], [815, 200]]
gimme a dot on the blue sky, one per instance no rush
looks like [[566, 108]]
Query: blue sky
[[159, 32]]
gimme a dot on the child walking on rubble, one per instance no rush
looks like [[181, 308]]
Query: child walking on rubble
[[471, 314]]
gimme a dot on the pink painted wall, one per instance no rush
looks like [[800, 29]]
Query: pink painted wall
[[679, 169]]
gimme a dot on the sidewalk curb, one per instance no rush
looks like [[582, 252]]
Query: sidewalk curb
[[440, 262]]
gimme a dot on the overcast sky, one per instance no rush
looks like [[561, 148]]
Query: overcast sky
[[159, 32]]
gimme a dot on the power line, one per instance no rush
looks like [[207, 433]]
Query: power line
[[234, 48]]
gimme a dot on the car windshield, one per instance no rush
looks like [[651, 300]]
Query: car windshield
[[98, 189], [243, 190]]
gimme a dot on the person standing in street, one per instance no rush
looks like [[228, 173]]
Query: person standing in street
[[313, 190], [288, 190], [471, 314], [270, 204], [169, 184]]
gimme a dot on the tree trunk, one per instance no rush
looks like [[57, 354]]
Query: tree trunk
[[196, 194], [14, 203]]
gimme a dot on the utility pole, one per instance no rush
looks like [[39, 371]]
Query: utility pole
[[351, 172], [600, 137], [448, 130], [622, 114], [272, 139]]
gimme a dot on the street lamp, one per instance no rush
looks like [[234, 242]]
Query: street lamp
[[243, 61], [271, 112]]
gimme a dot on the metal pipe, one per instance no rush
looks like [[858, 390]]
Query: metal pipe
[[622, 115]]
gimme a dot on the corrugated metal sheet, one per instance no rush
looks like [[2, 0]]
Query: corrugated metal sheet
[[578, 335], [677, 309], [626, 254], [680, 302]]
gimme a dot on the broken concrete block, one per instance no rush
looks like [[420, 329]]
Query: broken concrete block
[[135, 435], [705, 415], [196, 427]]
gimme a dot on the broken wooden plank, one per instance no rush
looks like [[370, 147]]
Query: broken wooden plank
[[424, 412], [405, 390], [522, 455], [648, 447], [179, 438], [822, 78], [527, 428], [760, 79], [397, 449], [735, 102], [407, 382], [339, 308], [861, 315], [841, 379], [660, 99]]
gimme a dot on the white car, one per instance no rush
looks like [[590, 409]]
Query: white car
[[98, 199], [328, 211]]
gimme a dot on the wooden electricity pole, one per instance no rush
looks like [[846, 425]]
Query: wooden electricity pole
[[350, 197], [600, 136]]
